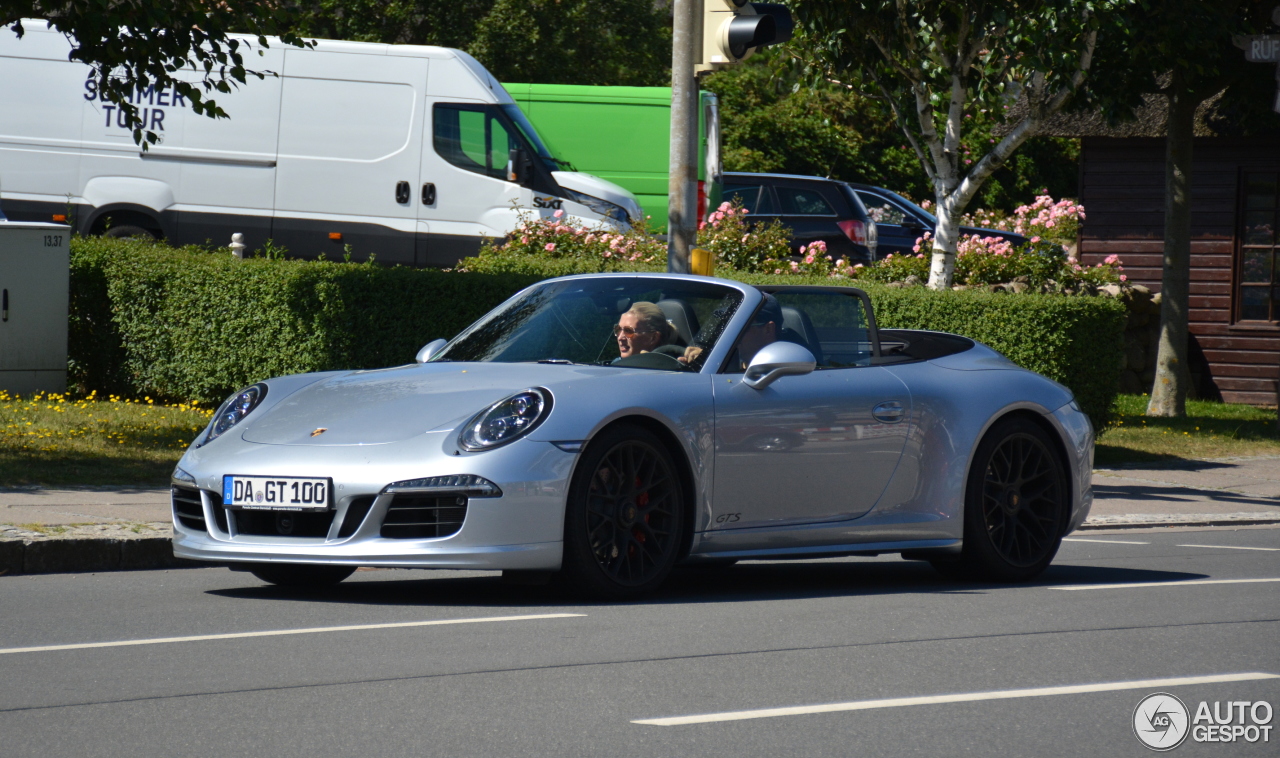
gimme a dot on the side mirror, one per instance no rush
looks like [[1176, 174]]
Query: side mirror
[[778, 359], [518, 166], [430, 349]]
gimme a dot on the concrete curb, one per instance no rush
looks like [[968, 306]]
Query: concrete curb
[[73, 555], [1149, 520]]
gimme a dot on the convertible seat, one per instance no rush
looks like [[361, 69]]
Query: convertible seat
[[682, 318], [797, 327]]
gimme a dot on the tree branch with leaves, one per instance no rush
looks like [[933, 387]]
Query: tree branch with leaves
[[938, 62]]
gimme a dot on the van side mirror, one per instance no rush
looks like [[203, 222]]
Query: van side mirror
[[776, 360], [518, 166], [430, 349]]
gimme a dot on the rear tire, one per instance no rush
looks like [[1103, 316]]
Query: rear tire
[[1017, 500], [301, 575], [624, 517]]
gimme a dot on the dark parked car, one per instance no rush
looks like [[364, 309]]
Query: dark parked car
[[901, 222], [813, 208]]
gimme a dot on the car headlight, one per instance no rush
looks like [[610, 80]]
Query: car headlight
[[506, 420], [603, 207], [234, 410]]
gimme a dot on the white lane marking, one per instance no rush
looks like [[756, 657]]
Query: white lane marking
[[1237, 547], [898, 702], [1105, 542], [282, 632], [1185, 583]]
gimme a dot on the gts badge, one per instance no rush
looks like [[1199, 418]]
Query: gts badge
[[547, 202], [728, 518]]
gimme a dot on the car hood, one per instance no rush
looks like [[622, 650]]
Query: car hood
[[984, 232], [395, 404]]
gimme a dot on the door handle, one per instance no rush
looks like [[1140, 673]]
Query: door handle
[[428, 194], [402, 192], [888, 412]]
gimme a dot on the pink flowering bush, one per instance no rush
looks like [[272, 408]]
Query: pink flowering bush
[[741, 245], [892, 268], [992, 260], [1058, 221], [589, 249]]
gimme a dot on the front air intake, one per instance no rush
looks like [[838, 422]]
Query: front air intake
[[187, 508], [424, 516]]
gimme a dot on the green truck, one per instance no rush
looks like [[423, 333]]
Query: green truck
[[623, 134]]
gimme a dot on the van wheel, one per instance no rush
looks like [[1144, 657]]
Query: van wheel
[[130, 232]]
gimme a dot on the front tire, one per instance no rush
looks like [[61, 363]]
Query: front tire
[[1017, 501], [301, 576], [624, 519], [129, 231]]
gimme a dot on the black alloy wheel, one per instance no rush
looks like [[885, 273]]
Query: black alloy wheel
[[1016, 505], [300, 575], [624, 519]]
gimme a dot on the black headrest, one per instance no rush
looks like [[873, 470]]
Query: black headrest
[[682, 318], [797, 327]]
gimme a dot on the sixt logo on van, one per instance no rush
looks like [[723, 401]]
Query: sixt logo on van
[[547, 202], [152, 116]]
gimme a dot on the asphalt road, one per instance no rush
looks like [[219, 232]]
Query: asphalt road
[[861, 634]]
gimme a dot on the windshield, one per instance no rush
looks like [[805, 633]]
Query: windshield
[[530, 134], [675, 322], [920, 213]]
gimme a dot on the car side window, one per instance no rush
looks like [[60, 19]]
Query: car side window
[[881, 210], [803, 201], [833, 325], [473, 138], [756, 198]]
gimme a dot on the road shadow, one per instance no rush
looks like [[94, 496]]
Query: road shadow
[[1142, 492], [750, 581]]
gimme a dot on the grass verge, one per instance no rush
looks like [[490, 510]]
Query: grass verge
[[1209, 430], [59, 440]]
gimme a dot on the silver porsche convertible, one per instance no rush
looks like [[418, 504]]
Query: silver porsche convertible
[[601, 429]]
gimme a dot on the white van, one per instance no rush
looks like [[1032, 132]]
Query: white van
[[413, 153]]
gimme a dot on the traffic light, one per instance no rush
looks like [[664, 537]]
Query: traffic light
[[734, 29]]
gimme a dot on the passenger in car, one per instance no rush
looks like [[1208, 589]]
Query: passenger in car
[[763, 330], [642, 329]]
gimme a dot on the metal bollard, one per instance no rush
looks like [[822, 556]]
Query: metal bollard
[[237, 245]]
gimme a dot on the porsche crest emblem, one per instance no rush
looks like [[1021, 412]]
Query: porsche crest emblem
[[319, 431]]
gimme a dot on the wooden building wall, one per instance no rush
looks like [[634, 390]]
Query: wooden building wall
[[1122, 190]]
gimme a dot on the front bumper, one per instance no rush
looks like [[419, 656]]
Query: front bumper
[[521, 529]]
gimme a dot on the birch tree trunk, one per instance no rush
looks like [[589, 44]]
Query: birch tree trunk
[[1169, 395], [946, 236]]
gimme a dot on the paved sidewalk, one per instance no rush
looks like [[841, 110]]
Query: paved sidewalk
[[99, 528], [1226, 490]]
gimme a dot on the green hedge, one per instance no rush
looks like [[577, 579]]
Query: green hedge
[[193, 325], [188, 324]]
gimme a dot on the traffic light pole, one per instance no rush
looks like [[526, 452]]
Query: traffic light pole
[[682, 222]]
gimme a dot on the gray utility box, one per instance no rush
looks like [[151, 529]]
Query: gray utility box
[[35, 267]]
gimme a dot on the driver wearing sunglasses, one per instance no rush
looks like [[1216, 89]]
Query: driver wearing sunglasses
[[642, 329]]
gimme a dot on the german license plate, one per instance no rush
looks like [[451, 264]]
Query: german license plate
[[275, 493]]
